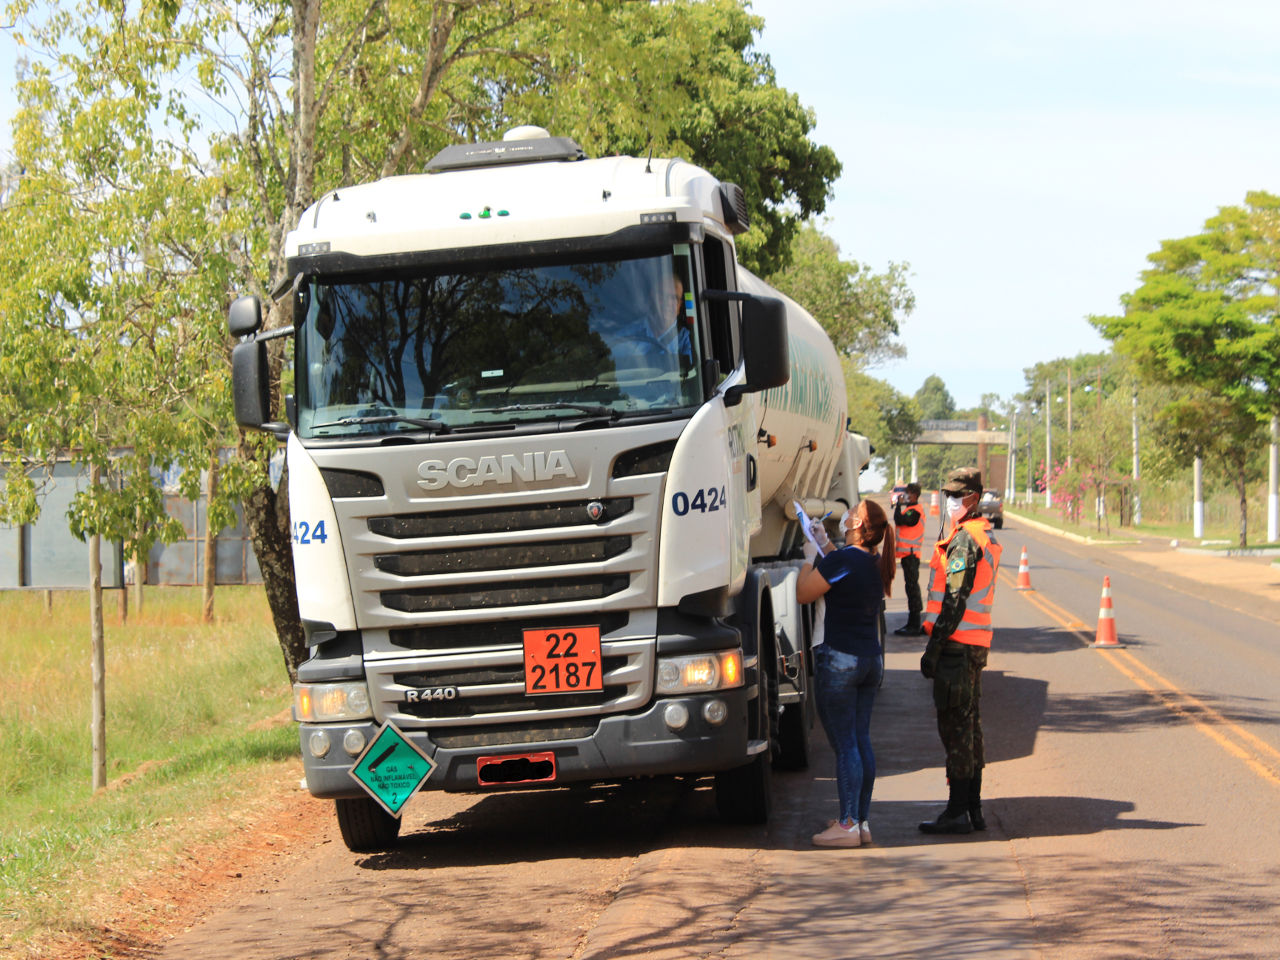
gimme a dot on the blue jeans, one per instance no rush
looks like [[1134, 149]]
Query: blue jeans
[[845, 686]]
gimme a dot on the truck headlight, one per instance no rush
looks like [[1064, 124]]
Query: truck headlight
[[322, 702], [700, 673]]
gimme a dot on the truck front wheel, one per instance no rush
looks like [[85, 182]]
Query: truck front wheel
[[365, 826], [745, 794]]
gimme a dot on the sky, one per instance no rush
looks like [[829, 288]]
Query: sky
[[1025, 156]]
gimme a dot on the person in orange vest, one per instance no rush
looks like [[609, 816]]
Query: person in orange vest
[[908, 519], [957, 619]]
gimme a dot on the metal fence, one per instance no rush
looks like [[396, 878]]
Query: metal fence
[[45, 555]]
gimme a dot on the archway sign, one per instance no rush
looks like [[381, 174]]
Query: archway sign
[[954, 432]]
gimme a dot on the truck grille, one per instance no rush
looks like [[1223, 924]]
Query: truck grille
[[489, 686], [498, 633], [473, 596], [449, 523], [506, 734], [512, 557]]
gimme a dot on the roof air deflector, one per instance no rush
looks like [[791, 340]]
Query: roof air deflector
[[464, 156]]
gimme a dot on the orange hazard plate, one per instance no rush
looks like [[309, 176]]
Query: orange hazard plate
[[563, 660]]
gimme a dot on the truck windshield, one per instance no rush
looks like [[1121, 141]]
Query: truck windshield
[[433, 352]]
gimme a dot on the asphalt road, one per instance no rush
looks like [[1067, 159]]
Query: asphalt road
[[1133, 797]]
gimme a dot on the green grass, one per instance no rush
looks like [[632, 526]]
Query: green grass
[[189, 711], [1183, 532]]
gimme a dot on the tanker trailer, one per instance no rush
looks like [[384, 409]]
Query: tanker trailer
[[540, 457]]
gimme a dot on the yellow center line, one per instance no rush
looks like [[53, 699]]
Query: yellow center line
[[1178, 701]]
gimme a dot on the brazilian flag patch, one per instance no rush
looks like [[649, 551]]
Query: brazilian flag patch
[[956, 565]]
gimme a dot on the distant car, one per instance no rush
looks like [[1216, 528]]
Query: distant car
[[991, 506]]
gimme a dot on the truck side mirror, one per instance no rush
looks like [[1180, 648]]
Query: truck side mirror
[[245, 316], [250, 383], [764, 346]]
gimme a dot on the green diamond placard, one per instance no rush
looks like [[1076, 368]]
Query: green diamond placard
[[391, 768]]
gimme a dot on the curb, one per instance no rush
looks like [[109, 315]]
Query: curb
[[1046, 528], [1233, 552]]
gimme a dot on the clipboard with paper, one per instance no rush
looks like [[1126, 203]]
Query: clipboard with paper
[[806, 525]]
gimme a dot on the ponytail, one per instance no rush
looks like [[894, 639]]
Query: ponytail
[[878, 533]]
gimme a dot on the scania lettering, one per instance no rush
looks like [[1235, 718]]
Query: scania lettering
[[544, 455], [465, 472]]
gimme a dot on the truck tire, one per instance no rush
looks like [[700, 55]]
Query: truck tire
[[365, 826], [744, 794], [793, 738], [797, 719]]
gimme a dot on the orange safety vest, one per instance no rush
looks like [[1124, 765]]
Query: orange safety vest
[[975, 624], [910, 540]]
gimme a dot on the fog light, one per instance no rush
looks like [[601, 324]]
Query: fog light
[[353, 742], [668, 675], [714, 711], [318, 744], [676, 715]]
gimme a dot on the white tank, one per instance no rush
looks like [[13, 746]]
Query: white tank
[[801, 430]]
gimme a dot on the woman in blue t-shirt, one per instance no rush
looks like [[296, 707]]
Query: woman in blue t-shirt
[[848, 664]]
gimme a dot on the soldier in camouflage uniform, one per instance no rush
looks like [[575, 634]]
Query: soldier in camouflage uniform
[[958, 621]]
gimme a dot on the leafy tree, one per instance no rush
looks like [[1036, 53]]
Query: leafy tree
[[883, 415], [1202, 425], [1206, 316], [98, 347], [934, 402], [859, 309]]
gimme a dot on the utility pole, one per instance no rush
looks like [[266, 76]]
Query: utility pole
[[1197, 516], [1273, 483], [1011, 472], [1068, 418], [1048, 446], [1102, 437], [1137, 497], [1028, 501]]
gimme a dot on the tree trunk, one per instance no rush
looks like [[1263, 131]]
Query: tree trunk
[[139, 568], [98, 659], [266, 512], [1242, 487], [210, 540]]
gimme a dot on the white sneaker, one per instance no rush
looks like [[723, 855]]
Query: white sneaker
[[864, 831], [838, 836]]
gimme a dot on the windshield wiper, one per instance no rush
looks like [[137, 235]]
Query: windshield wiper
[[591, 410], [433, 425]]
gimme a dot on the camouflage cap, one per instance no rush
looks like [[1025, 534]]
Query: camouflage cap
[[964, 480]]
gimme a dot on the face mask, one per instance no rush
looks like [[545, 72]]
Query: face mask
[[844, 523], [956, 508]]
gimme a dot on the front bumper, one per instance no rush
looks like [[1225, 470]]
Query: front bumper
[[623, 745]]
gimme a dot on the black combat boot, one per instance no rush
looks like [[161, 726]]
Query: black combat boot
[[911, 628], [954, 819], [975, 801]]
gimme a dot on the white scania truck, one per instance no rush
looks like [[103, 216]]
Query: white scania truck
[[543, 454]]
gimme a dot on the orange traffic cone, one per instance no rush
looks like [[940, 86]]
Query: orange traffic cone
[[1106, 619], [933, 504], [1024, 573]]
